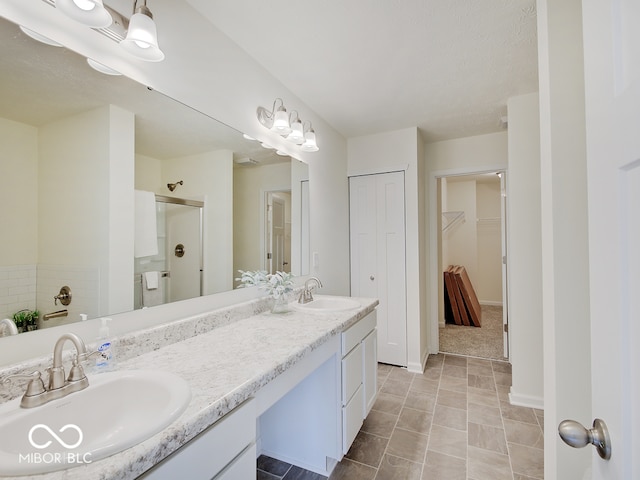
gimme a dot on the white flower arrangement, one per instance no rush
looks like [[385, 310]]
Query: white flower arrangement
[[276, 284]]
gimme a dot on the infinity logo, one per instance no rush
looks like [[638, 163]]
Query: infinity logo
[[53, 434]]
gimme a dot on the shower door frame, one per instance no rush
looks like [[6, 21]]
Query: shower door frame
[[190, 203]]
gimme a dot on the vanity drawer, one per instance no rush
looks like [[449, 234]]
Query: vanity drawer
[[355, 334], [352, 415], [213, 450], [351, 373], [242, 467]]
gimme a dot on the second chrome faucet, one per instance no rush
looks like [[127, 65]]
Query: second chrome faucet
[[305, 295]]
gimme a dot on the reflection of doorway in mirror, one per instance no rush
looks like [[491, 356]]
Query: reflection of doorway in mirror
[[278, 231]]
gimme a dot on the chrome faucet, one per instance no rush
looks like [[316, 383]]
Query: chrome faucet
[[305, 295], [36, 393], [8, 326]]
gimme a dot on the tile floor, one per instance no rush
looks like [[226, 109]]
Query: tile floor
[[452, 422]]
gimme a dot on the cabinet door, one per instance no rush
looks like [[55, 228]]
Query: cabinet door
[[370, 371], [351, 373], [351, 420]]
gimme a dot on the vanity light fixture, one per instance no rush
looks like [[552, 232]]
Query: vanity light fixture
[[275, 120], [91, 13], [309, 144], [297, 132], [142, 36], [288, 126]]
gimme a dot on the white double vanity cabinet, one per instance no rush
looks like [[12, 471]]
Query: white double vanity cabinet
[[306, 384]]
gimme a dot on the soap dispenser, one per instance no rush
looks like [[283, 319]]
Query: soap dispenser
[[105, 361]]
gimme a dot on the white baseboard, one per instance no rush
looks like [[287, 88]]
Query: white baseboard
[[415, 367], [522, 400], [490, 303]]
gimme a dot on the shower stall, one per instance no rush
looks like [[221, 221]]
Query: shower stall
[[176, 272]]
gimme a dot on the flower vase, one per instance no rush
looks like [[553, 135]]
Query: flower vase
[[280, 304]]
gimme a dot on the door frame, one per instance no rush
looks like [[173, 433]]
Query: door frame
[[435, 293]]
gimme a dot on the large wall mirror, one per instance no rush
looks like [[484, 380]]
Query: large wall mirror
[[86, 157]]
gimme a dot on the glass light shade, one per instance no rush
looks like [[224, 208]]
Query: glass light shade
[[100, 67], [88, 12], [309, 144], [297, 135], [142, 38], [281, 122], [39, 37]]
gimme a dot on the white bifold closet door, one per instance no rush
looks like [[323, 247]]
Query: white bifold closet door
[[378, 269]]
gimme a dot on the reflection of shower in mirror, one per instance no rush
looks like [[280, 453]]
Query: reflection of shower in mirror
[[172, 186]]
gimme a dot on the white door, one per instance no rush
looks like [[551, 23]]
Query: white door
[[612, 81], [377, 233]]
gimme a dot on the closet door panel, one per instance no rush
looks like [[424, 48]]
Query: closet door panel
[[378, 267]]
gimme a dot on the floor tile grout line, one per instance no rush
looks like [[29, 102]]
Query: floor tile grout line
[[433, 413], [504, 429], [467, 455]]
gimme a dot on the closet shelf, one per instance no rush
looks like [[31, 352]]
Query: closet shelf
[[489, 221], [451, 219]]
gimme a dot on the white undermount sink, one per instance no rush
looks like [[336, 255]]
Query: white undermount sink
[[116, 411], [325, 303]]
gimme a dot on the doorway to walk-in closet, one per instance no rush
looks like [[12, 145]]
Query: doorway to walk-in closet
[[472, 238]]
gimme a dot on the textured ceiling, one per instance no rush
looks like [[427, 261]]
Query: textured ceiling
[[367, 66]]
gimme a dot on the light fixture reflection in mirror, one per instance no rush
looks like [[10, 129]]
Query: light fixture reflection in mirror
[[56, 88]]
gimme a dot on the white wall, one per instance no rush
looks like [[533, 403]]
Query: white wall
[[121, 211], [461, 239], [399, 151], [489, 233], [148, 174], [565, 258], [19, 239], [19, 167], [300, 260], [524, 262], [77, 246]]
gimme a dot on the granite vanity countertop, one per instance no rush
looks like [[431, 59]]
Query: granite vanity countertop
[[224, 367]]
